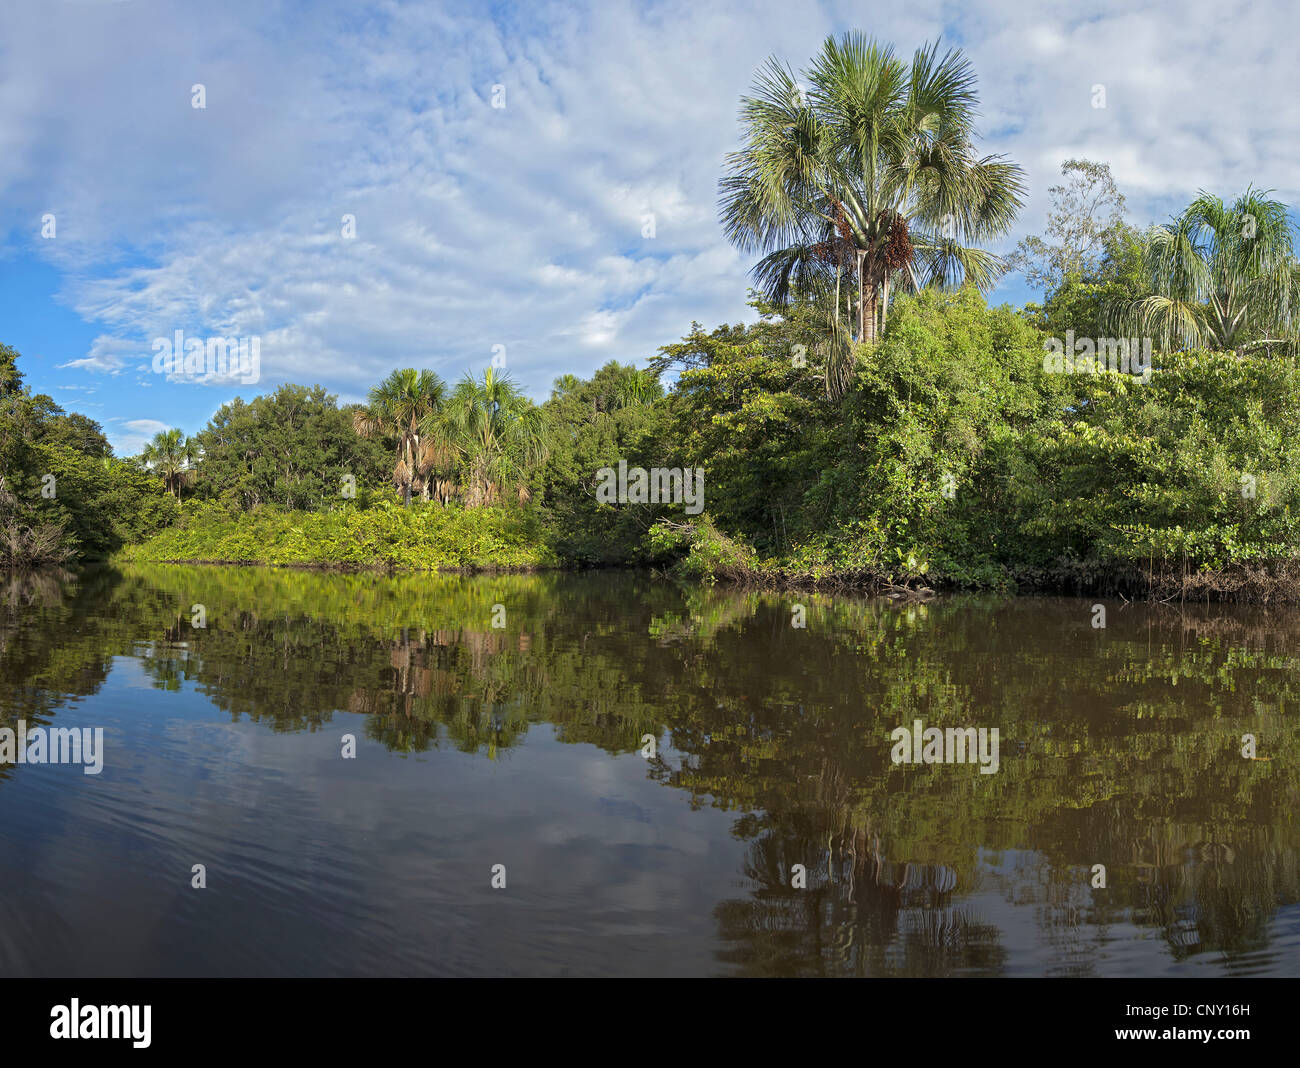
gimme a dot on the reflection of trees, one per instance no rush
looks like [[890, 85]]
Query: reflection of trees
[[46, 655], [49, 652], [860, 913], [1119, 751], [1117, 747]]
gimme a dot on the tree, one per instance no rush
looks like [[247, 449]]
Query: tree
[[617, 414], [11, 379], [405, 407], [104, 502], [292, 449], [1080, 302], [1087, 211], [1219, 276], [99, 503], [617, 386], [755, 421], [58, 427], [172, 456], [867, 180], [33, 530], [497, 432]]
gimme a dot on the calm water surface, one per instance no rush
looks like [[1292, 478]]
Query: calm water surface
[[521, 746]]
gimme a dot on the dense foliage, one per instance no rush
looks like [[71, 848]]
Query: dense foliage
[[62, 494], [290, 449], [954, 456], [937, 440], [385, 535]]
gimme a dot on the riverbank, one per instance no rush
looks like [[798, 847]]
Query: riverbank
[[512, 540]]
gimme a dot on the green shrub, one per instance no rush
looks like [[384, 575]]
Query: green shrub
[[424, 536]]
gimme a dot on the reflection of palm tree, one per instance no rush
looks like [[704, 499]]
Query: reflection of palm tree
[[897, 919]]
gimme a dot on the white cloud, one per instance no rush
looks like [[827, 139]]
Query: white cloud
[[144, 426], [107, 355], [140, 433], [522, 226]]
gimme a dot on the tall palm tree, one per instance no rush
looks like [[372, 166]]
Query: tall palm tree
[[625, 387], [498, 434], [405, 408], [172, 455], [865, 180], [1220, 276]]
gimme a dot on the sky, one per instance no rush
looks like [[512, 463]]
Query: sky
[[498, 164]]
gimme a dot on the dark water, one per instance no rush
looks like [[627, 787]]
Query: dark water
[[520, 746]]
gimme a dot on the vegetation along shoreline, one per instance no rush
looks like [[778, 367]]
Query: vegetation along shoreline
[[878, 425]]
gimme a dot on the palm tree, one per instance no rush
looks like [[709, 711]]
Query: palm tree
[[636, 387], [172, 455], [868, 179], [405, 407], [566, 384], [623, 386], [1218, 276], [498, 434]]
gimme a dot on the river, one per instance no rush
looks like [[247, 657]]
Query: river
[[609, 774]]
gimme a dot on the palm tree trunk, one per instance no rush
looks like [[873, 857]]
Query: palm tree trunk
[[862, 296], [837, 288], [867, 314], [406, 482]]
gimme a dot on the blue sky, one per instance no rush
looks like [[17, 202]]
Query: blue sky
[[518, 226]]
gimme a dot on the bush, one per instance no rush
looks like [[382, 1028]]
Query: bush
[[1194, 470], [424, 536]]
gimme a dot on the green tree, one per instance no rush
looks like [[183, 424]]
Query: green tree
[[94, 503], [405, 408], [498, 435], [290, 449], [1195, 469], [1219, 276], [867, 180], [617, 414], [755, 420], [172, 456], [105, 503], [32, 532], [72, 429], [1081, 301]]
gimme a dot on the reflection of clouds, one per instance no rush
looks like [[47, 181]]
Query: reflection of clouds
[[377, 865]]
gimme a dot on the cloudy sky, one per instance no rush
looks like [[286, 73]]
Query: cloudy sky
[[518, 225]]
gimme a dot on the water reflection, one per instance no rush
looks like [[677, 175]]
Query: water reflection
[[1120, 747]]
